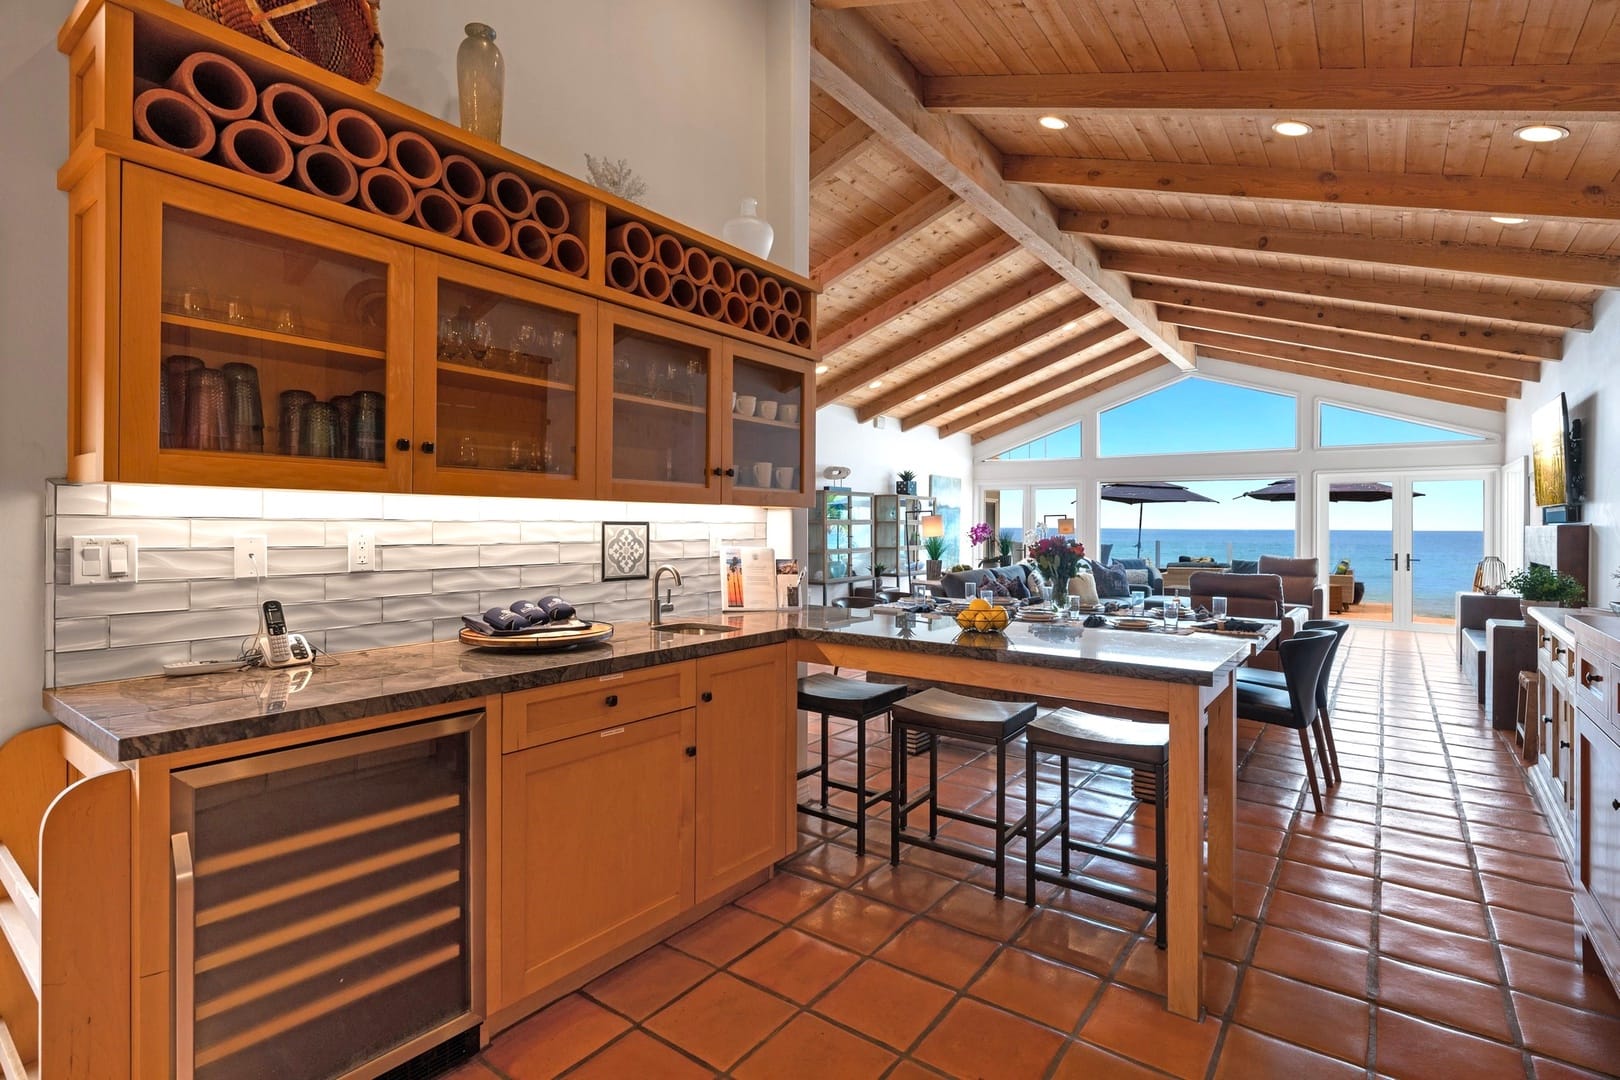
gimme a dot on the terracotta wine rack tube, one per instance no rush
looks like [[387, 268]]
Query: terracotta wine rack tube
[[321, 170], [463, 179], [670, 253], [747, 284], [384, 191], [414, 158], [218, 84], [801, 333], [722, 274], [173, 121], [736, 310], [436, 211], [633, 238], [357, 137], [770, 292], [682, 293], [510, 194], [782, 326], [485, 226], [793, 302], [550, 211], [530, 241], [294, 113], [623, 271], [697, 265], [759, 317], [711, 302], [653, 282], [568, 254], [254, 148]]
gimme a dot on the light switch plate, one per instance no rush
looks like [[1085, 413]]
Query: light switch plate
[[251, 560], [106, 560], [362, 550]]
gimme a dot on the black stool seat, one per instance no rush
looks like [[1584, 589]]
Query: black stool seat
[[847, 699], [1252, 676], [1100, 738], [973, 718]]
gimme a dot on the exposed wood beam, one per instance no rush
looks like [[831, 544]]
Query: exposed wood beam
[[1426, 191], [1556, 314], [1315, 337], [1598, 271], [938, 334], [1046, 408], [1075, 377], [998, 347], [946, 277], [1383, 324], [1487, 385], [1355, 378], [846, 144], [1551, 92], [907, 223], [840, 4], [1046, 362], [867, 75]]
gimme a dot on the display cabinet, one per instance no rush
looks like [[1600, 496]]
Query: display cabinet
[[767, 447], [841, 550], [897, 538]]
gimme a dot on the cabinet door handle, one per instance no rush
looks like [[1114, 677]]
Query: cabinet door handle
[[1546, 719], [1562, 745], [1591, 677], [1615, 805], [427, 447], [717, 471], [707, 696], [691, 751], [612, 701], [185, 941], [731, 472], [402, 444]]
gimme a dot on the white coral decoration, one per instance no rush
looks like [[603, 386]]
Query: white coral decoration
[[616, 177]]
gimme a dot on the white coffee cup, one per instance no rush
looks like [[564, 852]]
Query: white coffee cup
[[762, 473], [784, 476], [788, 413], [745, 404], [767, 409]]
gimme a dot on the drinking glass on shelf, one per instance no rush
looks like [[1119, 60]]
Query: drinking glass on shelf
[[467, 452], [516, 456], [452, 340], [524, 354], [284, 319], [479, 337], [238, 310], [193, 301], [1217, 608]]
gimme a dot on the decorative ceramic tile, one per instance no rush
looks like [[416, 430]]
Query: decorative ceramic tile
[[378, 583], [134, 630], [625, 550], [277, 533]]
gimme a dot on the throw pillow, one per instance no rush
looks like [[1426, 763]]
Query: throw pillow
[[1111, 582], [1136, 577], [1016, 587], [1084, 586]]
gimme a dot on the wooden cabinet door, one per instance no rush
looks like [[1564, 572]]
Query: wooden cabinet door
[[1600, 813], [769, 450], [744, 765], [596, 846]]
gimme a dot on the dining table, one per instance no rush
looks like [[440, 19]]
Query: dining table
[[1186, 677]]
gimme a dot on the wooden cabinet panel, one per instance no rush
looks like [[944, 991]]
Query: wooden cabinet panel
[[597, 846], [744, 765], [769, 445], [1600, 832], [551, 713]]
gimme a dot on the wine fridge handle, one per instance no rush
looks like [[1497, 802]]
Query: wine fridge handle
[[185, 928]]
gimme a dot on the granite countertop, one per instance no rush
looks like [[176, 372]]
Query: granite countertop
[[148, 717]]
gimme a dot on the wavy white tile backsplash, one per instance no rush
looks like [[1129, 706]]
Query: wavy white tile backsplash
[[437, 556]]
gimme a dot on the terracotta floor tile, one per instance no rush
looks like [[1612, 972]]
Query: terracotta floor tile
[[786, 896], [1559, 980], [1433, 909], [978, 911], [904, 886], [720, 1020], [474, 1070], [1074, 941], [1082, 1061], [1457, 953], [1427, 875], [1231, 943], [1312, 916], [1413, 1049], [1354, 890], [1312, 959], [640, 987], [554, 1039], [809, 1048], [1444, 998], [1097, 909], [937, 951], [1535, 844], [1332, 854], [1248, 1054], [854, 921], [1304, 1015], [639, 1054], [1548, 901], [911, 1070], [1138, 1026], [1032, 986], [974, 1039], [1524, 867], [1555, 937], [724, 935], [890, 1005], [1589, 1040], [1548, 1069], [833, 864], [795, 965], [1146, 967]]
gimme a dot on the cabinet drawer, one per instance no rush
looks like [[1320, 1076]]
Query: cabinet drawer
[[1592, 683], [549, 713]]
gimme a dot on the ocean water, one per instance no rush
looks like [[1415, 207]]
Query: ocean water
[[1444, 562]]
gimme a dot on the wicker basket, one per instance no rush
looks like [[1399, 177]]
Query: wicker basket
[[339, 35]]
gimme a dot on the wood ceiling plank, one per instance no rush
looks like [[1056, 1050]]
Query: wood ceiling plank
[[1366, 365], [1554, 92], [1354, 378], [991, 350], [1423, 191], [1556, 314], [840, 5], [913, 219], [946, 277], [867, 75], [1343, 341], [849, 143], [1074, 377], [1488, 260], [1384, 324], [1046, 408], [937, 335]]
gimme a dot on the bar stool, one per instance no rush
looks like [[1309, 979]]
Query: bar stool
[[859, 701], [939, 712], [1070, 734], [1528, 713]]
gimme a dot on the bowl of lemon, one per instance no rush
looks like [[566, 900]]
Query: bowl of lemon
[[982, 617]]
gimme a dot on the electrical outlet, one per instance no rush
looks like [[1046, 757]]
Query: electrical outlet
[[251, 559], [362, 550]]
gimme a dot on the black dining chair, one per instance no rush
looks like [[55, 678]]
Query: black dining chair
[[1325, 748], [1303, 658]]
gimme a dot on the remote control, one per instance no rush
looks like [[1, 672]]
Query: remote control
[[202, 667]]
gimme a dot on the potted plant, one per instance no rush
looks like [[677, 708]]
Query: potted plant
[[906, 482], [1004, 543], [878, 570], [1541, 586], [935, 546], [1343, 567], [980, 534]]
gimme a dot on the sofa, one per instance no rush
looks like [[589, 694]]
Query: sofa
[[1249, 596], [962, 584], [1300, 582], [1494, 644]]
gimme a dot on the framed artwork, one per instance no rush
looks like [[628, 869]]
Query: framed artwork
[[626, 546], [946, 491]]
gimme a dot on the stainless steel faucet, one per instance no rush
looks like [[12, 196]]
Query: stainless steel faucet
[[657, 616]]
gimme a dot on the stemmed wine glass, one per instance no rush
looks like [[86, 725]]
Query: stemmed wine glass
[[479, 337]]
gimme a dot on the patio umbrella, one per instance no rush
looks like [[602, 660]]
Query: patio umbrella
[[1149, 491], [1283, 491]]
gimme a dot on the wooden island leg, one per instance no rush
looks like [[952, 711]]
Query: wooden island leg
[[1184, 983], [1222, 736]]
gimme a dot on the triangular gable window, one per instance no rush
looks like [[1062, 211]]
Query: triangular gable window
[[1199, 416], [1341, 426], [1062, 443]]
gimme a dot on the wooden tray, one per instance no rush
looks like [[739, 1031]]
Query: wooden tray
[[548, 642]]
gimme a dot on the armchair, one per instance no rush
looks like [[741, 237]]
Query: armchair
[[1248, 596], [1299, 581], [1494, 644]]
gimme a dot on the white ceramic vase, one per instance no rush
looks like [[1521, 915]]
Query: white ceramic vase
[[749, 231]]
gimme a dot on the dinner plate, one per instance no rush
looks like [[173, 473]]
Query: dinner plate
[[1135, 624], [1037, 616]]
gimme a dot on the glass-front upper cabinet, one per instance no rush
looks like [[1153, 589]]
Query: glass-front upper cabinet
[[658, 424], [505, 384], [258, 346], [769, 438]]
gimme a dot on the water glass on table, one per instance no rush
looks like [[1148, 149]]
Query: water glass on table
[[1217, 608], [987, 595], [1172, 613]]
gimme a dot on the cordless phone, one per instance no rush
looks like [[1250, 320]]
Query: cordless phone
[[277, 648]]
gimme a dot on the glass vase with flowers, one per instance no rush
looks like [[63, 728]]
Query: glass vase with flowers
[[1058, 558]]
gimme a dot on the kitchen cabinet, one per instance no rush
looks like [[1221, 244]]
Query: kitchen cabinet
[[1555, 662], [768, 446]]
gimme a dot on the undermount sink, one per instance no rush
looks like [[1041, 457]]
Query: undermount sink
[[695, 629]]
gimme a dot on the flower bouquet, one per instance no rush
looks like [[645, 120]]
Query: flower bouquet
[[1058, 558]]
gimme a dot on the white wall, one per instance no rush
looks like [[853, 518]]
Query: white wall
[[1589, 378], [875, 454]]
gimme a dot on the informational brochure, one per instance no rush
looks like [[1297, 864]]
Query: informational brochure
[[748, 579]]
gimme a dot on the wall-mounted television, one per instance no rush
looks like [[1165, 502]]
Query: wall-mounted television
[[1556, 461]]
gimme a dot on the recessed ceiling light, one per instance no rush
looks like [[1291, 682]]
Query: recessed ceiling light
[[1053, 123], [1541, 132], [874, 384], [920, 396], [1071, 325], [821, 369], [1507, 220], [1292, 128]]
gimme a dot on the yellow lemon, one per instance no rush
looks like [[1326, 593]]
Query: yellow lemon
[[979, 604]]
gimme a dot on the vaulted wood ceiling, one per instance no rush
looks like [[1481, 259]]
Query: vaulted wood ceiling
[[980, 270]]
